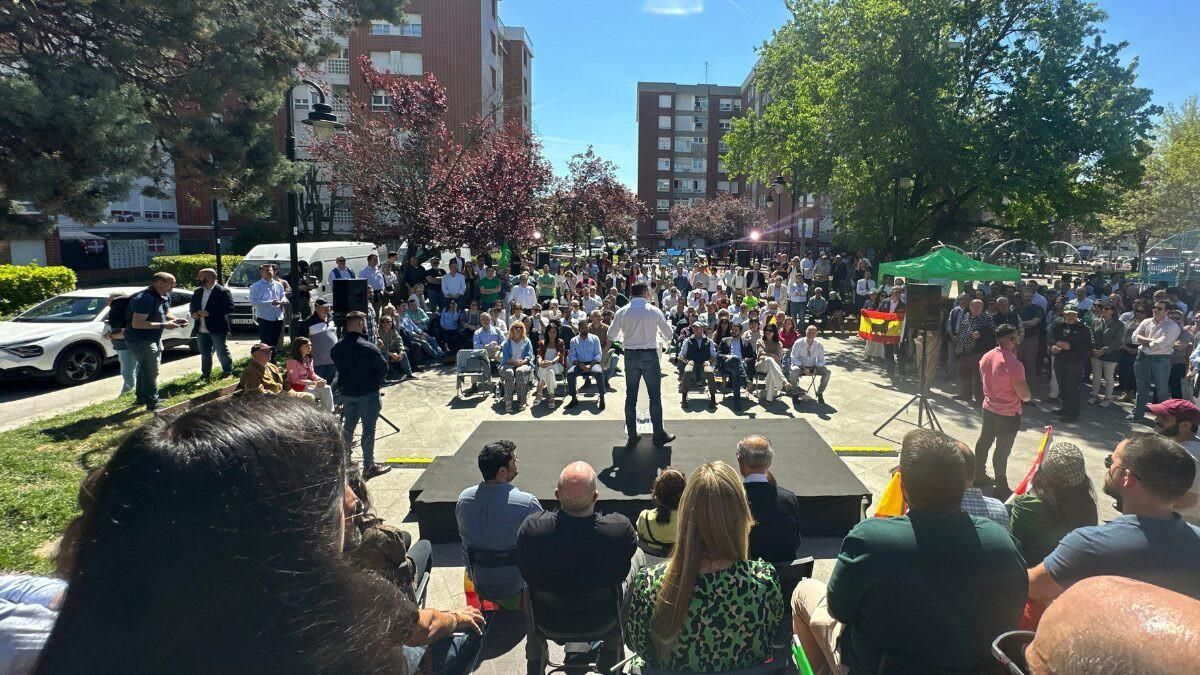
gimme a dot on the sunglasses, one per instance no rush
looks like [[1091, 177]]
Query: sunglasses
[[1109, 464], [1009, 650]]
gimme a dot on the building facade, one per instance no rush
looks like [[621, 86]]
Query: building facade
[[680, 159]]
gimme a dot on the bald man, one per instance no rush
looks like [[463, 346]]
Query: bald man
[[575, 550], [1146, 629]]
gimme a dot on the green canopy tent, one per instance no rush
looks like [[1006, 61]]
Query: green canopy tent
[[947, 264]]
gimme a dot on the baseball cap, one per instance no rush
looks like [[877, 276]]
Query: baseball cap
[[1064, 464], [1180, 409], [1070, 307], [699, 324], [321, 302]]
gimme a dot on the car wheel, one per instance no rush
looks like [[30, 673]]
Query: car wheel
[[78, 365]]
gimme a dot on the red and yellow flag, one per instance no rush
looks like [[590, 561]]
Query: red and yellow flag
[[891, 502], [882, 327], [1023, 486]]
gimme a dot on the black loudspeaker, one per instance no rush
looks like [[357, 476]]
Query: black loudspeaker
[[743, 257], [349, 295], [543, 259], [923, 306]]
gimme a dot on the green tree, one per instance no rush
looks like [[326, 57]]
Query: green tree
[[952, 114], [1167, 201], [99, 93]]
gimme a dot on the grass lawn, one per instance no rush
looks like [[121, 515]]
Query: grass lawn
[[42, 463]]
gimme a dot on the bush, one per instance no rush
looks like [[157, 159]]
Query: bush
[[185, 267], [23, 286]]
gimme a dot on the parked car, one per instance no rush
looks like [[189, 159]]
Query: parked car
[[63, 337]]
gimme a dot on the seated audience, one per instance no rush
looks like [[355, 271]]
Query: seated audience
[[516, 359], [377, 546], [710, 607], [770, 363], [489, 515], [696, 357], [1115, 625], [775, 536], [808, 358], [656, 527], [1060, 499], [737, 359], [551, 362], [575, 550], [301, 377], [486, 345], [1149, 542], [225, 524], [974, 501], [584, 360], [262, 376], [392, 345], [930, 589]]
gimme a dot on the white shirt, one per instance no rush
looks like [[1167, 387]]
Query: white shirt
[[525, 296], [591, 303], [373, 276], [798, 292], [1162, 334], [808, 356], [670, 297], [864, 287], [697, 297], [204, 303], [454, 284], [638, 325], [806, 267], [262, 295]]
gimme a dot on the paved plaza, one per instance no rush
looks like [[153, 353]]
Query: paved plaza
[[860, 397]]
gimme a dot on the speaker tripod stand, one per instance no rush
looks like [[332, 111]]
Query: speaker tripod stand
[[925, 414]]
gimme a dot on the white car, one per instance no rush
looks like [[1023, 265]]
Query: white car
[[63, 336]]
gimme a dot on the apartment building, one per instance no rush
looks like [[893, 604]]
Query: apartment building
[[485, 67], [680, 159], [680, 149]]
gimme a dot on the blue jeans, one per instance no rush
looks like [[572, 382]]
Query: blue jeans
[[1149, 370], [146, 355], [366, 408], [129, 369], [796, 310], [735, 369], [643, 364], [327, 372], [452, 655], [209, 343]]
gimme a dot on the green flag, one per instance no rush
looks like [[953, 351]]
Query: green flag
[[505, 255]]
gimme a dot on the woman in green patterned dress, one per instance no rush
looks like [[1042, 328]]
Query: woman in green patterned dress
[[708, 608]]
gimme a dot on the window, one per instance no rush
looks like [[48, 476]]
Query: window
[[664, 142], [525, 54], [410, 28], [701, 103], [493, 77], [722, 146], [664, 185], [721, 166], [380, 102], [722, 186], [664, 100], [699, 140], [664, 121], [300, 103], [699, 164], [726, 105], [398, 63], [723, 125], [412, 25], [737, 105], [661, 225], [526, 86], [664, 164], [493, 43], [684, 145], [734, 188], [664, 205], [699, 122]]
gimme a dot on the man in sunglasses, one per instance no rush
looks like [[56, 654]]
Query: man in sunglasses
[[1149, 473], [1155, 338]]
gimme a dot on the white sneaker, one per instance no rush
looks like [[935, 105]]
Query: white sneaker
[[1104, 403], [1092, 400]]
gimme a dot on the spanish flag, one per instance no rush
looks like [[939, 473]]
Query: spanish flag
[[891, 502], [1023, 486], [882, 327]]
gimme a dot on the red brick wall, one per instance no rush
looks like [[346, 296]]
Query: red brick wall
[[647, 163], [515, 74]]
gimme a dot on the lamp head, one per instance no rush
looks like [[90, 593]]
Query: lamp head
[[323, 121]]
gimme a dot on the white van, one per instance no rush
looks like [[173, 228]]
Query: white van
[[316, 258]]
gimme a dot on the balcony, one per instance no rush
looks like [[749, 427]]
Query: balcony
[[337, 66]]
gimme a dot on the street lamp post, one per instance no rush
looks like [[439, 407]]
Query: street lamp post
[[777, 187], [323, 123]]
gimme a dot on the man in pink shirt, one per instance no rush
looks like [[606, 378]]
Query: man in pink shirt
[[1004, 387]]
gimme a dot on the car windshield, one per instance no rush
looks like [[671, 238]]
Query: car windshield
[[247, 272], [65, 309]]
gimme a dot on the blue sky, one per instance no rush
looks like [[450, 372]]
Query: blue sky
[[589, 57]]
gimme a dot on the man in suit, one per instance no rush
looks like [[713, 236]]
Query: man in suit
[[210, 307], [696, 357], [736, 358], [755, 280], [893, 304], [775, 536]]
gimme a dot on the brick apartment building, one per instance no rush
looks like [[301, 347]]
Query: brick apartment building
[[680, 150], [485, 66]]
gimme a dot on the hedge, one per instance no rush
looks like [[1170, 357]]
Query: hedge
[[23, 286], [185, 267]]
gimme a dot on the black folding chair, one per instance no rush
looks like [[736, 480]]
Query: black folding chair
[[590, 618]]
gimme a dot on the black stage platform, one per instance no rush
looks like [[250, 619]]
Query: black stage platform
[[830, 494]]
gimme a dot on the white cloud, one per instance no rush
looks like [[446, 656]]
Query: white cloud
[[673, 7]]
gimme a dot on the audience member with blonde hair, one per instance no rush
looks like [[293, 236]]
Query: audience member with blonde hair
[[516, 357], [709, 608]]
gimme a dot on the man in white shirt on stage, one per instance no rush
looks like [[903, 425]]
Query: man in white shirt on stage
[[638, 326], [808, 357]]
